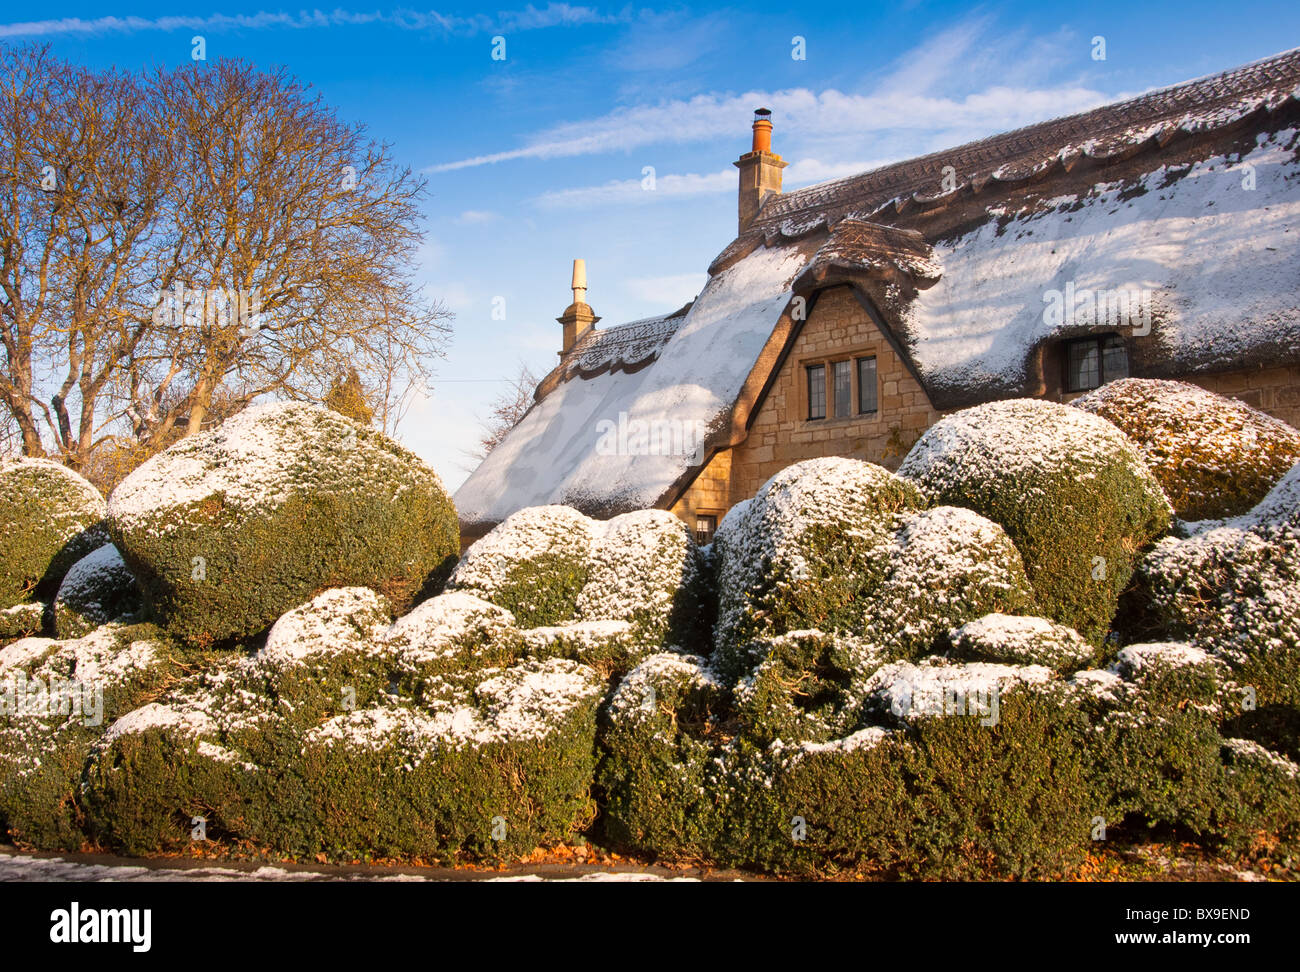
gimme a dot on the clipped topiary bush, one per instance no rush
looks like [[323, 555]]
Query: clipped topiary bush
[[1214, 456], [50, 518], [1068, 487], [956, 796], [800, 553], [822, 547], [647, 570], [350, 737], [21, 621], [534, 564], [607, 593], [57, 698], [1020, 641], [501, 772], [97, 589], [665, 789], [1233, 588], [226, 530], [945, 566]]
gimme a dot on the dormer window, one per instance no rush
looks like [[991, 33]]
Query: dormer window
[[1092, 361]]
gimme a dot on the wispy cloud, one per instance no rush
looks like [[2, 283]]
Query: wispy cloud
[[477, 217], [800, 112], [529, 18], [685, 185], [949, 52], [634, 191]]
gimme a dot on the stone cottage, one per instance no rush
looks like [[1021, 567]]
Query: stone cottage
[[1158, 237]]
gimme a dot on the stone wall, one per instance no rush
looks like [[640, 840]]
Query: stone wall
[[840, 328]]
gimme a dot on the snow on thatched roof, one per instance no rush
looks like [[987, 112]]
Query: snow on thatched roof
[[1189, 195]]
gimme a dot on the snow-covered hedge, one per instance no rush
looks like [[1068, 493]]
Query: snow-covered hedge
[[551, 566], [228, 529], [807, 687], [97, 589], [1020, 641], [1233, 588], [666, 787], [50, 518], [1214, 456], [840, 545], [687, 776], [944, 566], [57, 698], [534, 564], [21, 621], [948, 770], [1068, 487], [440, 742], [879, 693], [799, 554]]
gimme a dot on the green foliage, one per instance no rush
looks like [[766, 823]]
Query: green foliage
[[21, 621], [947, 798], [1214, 456], [1068, 488], [344, 505], [534, 564], [802, 552], [42, 754], [348, 739], [50, 518], [98, 588]]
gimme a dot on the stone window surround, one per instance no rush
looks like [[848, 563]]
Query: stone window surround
[[800, 380], [703, 512]]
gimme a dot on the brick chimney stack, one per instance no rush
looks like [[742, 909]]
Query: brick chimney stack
[[578, 317], [760, 170]]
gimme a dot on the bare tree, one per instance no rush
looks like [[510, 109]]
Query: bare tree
[[80, 194], [178, 245], [507, 409]]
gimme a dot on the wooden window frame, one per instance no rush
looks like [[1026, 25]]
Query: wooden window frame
[[827, 362], [808, 370], [1098, 342], [702, 515]]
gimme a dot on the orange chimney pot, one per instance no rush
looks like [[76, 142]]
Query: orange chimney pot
[[762, 130]]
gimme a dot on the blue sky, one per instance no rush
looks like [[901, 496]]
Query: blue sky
[[539, 158]]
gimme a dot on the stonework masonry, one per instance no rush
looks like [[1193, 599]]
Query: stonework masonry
[[838, 329]]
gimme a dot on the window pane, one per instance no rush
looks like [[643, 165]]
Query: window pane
[[817, 391], [704, 529], [1114, 358], [843, 374], [866, 384], [1083, 369]]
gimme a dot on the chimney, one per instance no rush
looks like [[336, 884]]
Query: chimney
[[578, 317], [760, 170]]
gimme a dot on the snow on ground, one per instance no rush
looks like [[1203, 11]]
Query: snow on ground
[[26, 867]]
